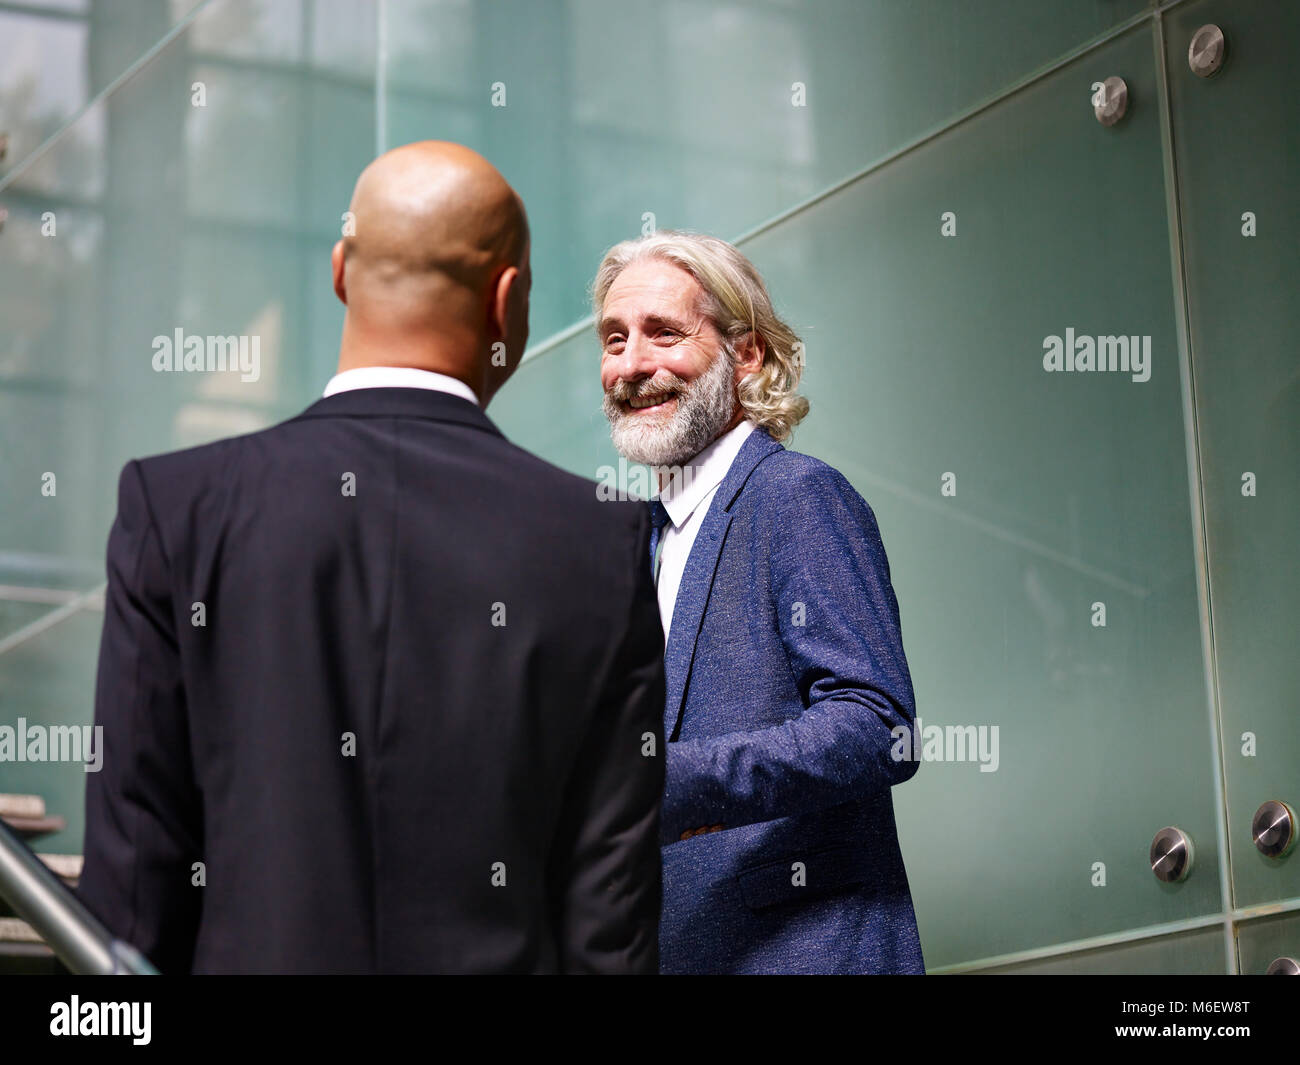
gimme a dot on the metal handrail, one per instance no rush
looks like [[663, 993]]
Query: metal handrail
[[44, 902]]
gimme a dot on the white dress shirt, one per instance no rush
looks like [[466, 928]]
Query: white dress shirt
[[398, 377], [687, 499]]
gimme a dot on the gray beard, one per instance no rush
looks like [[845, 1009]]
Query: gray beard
[[703, 410]]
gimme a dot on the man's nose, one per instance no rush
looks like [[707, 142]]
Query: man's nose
[[638, 360]]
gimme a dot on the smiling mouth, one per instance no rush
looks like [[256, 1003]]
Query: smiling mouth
[[638, 403]]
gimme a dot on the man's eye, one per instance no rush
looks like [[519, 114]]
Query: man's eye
[[668, 332], [612, 341]]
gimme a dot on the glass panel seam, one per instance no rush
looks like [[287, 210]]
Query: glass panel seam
[[1079, 946], [381, 78], [47, 621], [1191, 438]]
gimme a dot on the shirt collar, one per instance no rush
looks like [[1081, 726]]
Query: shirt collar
[[702, 474], [398, 377]]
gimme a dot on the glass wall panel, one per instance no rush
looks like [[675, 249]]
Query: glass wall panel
[[198, 200], [704, 115], [56, 57], [1198, 953], [1262, 941], [1237, 136]]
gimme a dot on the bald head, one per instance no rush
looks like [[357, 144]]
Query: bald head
[[435, 269]]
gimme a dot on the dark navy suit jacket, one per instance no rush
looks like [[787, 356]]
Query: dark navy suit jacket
[[785, 673], [408, 735]]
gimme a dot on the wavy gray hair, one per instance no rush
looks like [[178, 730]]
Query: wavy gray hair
[[738, 305]]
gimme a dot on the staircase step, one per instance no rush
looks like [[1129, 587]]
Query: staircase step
[[35, 826], [13, 930], [21, 805], [22, 953], [67, 867]]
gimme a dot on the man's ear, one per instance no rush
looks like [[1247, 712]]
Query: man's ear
[[336, 265], [749, 359], [504, 291]]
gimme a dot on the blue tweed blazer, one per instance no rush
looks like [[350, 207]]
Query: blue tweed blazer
[[785, 673]]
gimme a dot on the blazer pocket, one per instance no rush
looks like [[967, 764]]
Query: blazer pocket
[[824, 872]]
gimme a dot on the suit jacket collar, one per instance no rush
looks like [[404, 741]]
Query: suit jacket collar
[[697, 580], [758, 446], [401, 403], [704, 473]]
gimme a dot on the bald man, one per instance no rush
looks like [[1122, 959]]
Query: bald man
[[380, 691]]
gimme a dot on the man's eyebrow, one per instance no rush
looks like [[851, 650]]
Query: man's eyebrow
[[650, 320], [665, 319]]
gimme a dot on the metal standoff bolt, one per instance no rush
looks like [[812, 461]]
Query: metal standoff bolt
[[4, 217], [4, 146], [1283, 967], [1110, 101], [1206, 52], [1171, 855], [1273, 829]]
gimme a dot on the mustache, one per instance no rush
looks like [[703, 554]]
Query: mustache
[[651, 388]]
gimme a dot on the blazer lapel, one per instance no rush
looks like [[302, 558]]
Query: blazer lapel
[[697, 578]]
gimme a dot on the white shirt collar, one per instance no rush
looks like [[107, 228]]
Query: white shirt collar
[[398, 377], [702, 474]]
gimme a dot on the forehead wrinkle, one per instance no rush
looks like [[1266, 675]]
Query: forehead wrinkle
[[663, 282]]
